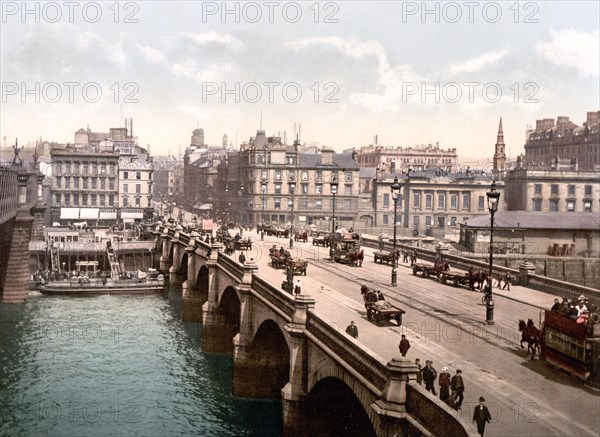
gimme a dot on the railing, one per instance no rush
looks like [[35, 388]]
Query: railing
[[364, 363], [276, 297], [8, 194], [231, 266], [562, 288]]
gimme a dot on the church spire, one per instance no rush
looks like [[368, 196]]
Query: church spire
[[499, 154], [500, 138]]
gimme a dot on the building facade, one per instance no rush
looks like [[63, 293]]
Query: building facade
[[394, 159], [135, 190], [550, 143]]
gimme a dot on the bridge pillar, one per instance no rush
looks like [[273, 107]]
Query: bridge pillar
[[390, 419], [16, 281], [164, 257], [525, 269], [213, 338], [191, 308], [294, 392]]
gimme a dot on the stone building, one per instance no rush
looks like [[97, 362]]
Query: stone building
[[394, 159], [296, 185], [135, 190], [550, 189], [550, 143]]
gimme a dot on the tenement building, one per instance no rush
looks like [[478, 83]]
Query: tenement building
[[550, 143], [270, 182], [421, 157]]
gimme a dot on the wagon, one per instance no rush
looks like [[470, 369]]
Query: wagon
[[457, 278], [243, 244], [298, 266], [321, 241], [428, 270], [383, 310], [384, 256], [278, 260]]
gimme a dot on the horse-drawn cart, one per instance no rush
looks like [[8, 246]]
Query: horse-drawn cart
[[321, 241], [455, 277], [278, 259], [298, 266], [385, 256], [301, 235], [428, 270], [243, 244], [380, 310]]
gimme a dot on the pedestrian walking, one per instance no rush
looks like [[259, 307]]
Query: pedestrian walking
[[404, 345], [481, 415], [352, 329], [405, 256], [429, 376], [507, 279], [444, 382], [458, 386], [381, 241], [420, 374], [297, 288], [242, 258]]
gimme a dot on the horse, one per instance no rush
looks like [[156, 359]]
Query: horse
[[477, 278], [530, 334]]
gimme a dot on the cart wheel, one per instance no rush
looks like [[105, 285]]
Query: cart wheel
[[378, 319], [369, 315], [415, 271], [456, 282], [399, 319], [304, 271], [444, 280]]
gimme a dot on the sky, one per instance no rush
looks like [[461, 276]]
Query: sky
[[409, 72]]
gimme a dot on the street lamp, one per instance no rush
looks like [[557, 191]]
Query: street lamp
[[263, 187], [493, 196], [395, 195], [292, 187], [334, 187]]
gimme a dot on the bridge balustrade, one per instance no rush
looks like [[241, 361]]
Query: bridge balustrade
[[231, 266], [8, 194], [274, 296]]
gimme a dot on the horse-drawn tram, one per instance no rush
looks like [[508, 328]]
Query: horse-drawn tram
[[572, 346]]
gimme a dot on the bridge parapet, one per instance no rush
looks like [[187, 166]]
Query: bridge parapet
[[8, 194], [274, 297]]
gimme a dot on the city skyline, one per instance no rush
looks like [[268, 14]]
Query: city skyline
[[368, 68]]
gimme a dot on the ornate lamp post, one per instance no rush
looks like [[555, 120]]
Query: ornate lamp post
[[263, 187], [334, 187], [493, 197], [292, 188], [395, 194]]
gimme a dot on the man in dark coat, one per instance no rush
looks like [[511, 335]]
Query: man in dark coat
[[429, 376], [404, 345], [481, 415], [458, 386], [352, 330]]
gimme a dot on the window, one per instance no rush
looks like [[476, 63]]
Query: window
[[111, 200], [334, 176], [102, 184], [348, 205], [137, 201], [537, 189], [452, 221], [588, 190], [428, 201], [85, 168], [385, 219], [94, 168], [103, 168], [537, 204], [265, 175], [94, 199], [554, 190], [111, 169], [58, 199], [84, 199], [76, 168], [416, 220], [67, 199], [318, 175], [277, 175], [58, 167], [386, 200], [417, 200], [277, 188], [291, 188], [304, 175], [85, 183], [319, 189], [125, 200], [428, 220], [76, 183], [553, 205], [304, 188], [399, 200], [102, 199], [466, 201], [348, 190], [261, 159], [441, 201], [138, 188], [138, 175], [58, 181], [125, 188], [570, 206], [319, 204], [453, 201], [587, 206], [111, 184], [125, 175], [94, 183], [278, 203], [348, 176], [481, 202], [571, 190], [304, 204], [76, 199]]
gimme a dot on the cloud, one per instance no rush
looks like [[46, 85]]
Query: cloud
[[573, 48], [203, 39], [151, 54], [213, 72], [478, 63]]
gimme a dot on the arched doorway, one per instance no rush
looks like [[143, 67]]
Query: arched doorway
[[332, 409]]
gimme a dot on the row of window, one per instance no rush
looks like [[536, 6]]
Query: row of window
[[290, 175], [86, 183], [537, 189], [554, 205], [126, 201], [388, 219], [304, 189], [67, 168], [441, 201], [138, 188], [304, 204], [85, 199]]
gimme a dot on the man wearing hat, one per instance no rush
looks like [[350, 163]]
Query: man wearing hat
[[481, 415], [429, 376], [458, 386]]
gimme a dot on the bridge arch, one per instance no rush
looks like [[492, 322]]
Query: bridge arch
[[182, 272], [332, 409], [171, 251], [229, 310], [202, 284]]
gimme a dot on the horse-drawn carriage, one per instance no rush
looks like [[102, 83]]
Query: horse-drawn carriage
[[384, 256], [455, 277], [297, 266], [279, 258], [321, 240], [276, 231], [222, 234], [244, 244], [301, 235], [379, 310], [428, 270], [345, 247]]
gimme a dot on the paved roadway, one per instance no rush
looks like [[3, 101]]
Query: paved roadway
[[447, 325]]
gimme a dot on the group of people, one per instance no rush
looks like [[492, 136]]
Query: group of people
[[579, 309]]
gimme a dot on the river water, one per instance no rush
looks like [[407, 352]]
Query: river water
[[117, 366]]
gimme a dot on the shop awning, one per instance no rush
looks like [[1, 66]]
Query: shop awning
[[132, 215], [89, 213], [69, 213], [108, 215]]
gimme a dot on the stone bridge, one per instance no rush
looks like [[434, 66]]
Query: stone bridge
[[329, 383]]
